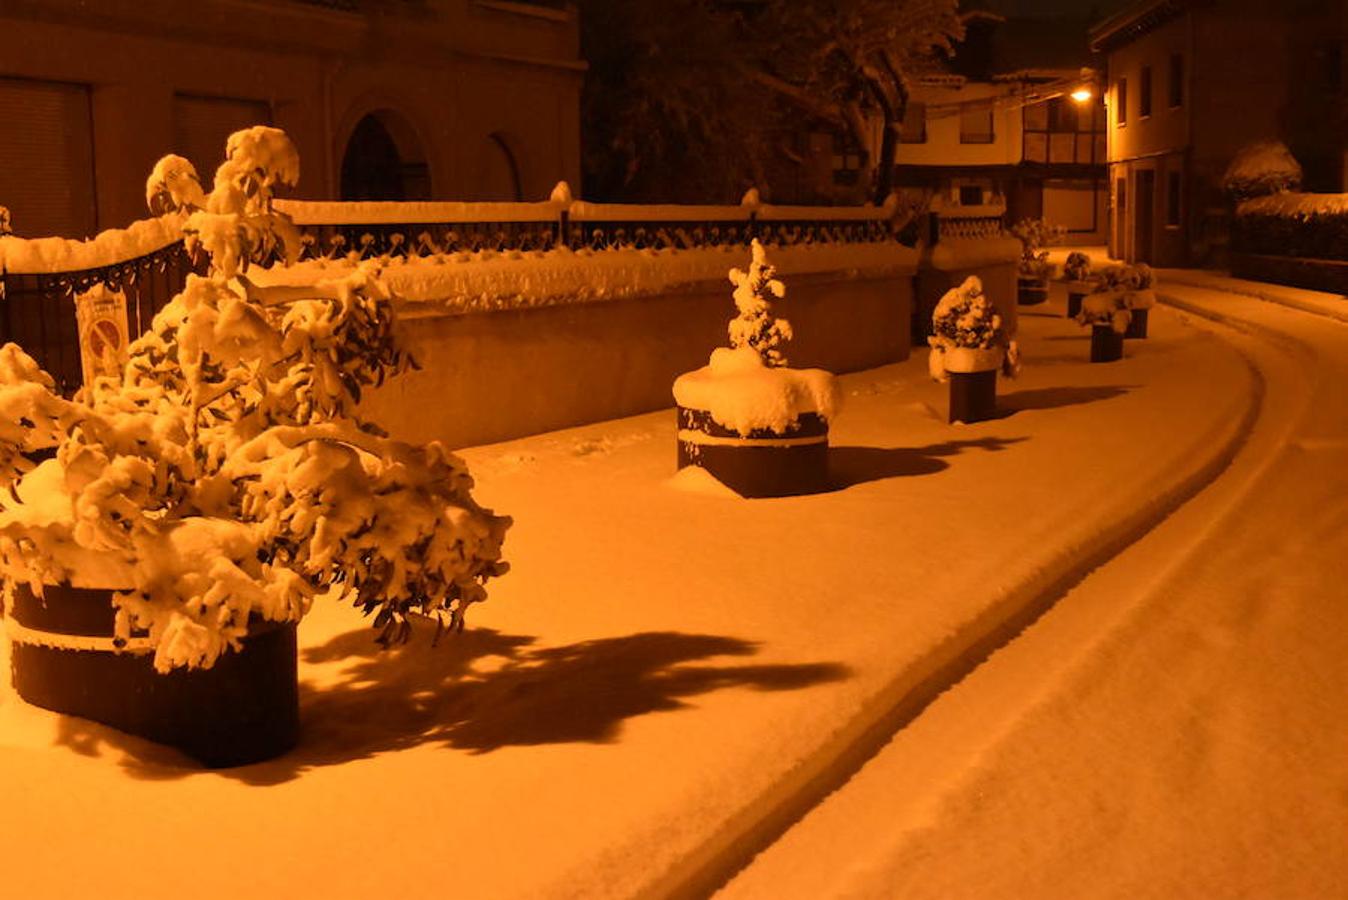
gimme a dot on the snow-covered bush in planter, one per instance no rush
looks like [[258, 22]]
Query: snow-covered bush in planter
[[1034, 269], [758, 426], [1260, 168], [968, 347], [154, 569], [1077, 278], [1106, 311], [1139, 293]]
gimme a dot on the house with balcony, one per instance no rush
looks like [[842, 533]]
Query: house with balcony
[[1190, 83], [998, 124], [400, 100]]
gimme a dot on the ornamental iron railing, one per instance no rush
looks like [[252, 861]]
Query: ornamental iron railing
[[37, 310]]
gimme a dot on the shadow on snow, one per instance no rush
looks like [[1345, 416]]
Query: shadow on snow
[[850, 466], [477, 692]]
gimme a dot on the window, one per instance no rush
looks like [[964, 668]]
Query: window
[[1176, 80], [47, 149], [846, 160], [976, 126], [971, 195], [1172, 200], [1121, 102], [914, 123], [1144, 93], [1067, 115]]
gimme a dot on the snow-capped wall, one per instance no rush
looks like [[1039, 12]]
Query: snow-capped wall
[[30, 256], [523, 370], [490, 280]]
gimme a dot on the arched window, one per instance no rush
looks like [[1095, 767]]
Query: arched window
[[384, 160]]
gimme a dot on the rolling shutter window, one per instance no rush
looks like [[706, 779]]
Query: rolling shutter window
[[201, 126], [47, 158]]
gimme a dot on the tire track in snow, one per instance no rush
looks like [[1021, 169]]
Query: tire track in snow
[[736, 844], [984, 709]]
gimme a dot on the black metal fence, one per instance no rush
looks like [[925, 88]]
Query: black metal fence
[[37, 311]]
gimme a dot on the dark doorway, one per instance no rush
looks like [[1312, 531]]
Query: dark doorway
[[384, 161], [1144, 215]]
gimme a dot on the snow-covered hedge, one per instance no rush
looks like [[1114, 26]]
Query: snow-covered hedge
[[1313, 226]]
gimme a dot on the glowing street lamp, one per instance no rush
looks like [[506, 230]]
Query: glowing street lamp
[[1082, 94]]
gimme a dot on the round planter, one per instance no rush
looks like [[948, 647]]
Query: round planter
[[242, 710], [973, 396], [1106, 344], [973, 382], [760, 463], [1074, 299], [1031, 291], [1137, 324]]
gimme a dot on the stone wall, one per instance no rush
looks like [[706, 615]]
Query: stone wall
[[492, 376]]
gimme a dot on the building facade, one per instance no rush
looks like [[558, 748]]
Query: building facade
[[1191, 82], [1000, 126], [413, 99]]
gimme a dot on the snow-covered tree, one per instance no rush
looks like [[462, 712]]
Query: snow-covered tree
[[755, 326], [705, 94], [669, 116], [1264, 167], [850, 63], [226, 474]]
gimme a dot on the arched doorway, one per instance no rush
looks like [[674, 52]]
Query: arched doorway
[[502, 176], [384, 160]]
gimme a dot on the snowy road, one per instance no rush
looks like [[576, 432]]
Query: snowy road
[[1174, 726]]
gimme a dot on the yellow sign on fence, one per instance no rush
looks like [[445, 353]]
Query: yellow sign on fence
[[101, 316]]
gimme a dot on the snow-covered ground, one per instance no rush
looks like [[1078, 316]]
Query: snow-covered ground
[[1174, 726], [670, 677]]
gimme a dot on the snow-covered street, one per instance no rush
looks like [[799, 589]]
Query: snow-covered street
[[670, 679], [1173, 726]]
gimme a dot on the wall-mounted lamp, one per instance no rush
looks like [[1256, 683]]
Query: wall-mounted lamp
[[1082, 94]]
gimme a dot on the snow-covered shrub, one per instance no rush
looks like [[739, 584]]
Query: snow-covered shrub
[[226, 474], [1105, 309], [755, 326], [747, 386], [1034, 235], [1077, 267], [1118, 290], [1264, 167], [966, 324]]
